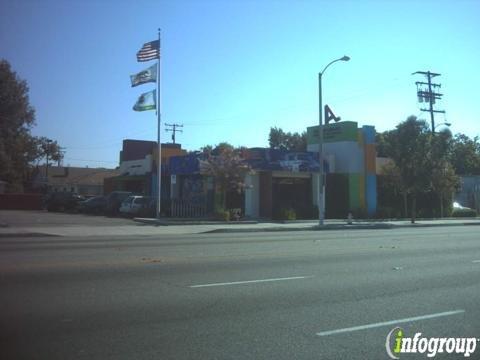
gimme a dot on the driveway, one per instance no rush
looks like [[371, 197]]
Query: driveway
[[43, 223], [22, 218]]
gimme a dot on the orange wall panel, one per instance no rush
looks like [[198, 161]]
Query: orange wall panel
[[370, 158]]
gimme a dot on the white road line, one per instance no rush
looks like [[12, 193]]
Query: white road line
[[476, 261], [252, 281], [387, 323]]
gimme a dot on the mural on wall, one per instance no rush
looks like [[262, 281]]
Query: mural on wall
[[298, 162], [184, 165], [281, 160], [258, 158]]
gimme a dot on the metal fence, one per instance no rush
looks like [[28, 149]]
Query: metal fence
[[185, 209]]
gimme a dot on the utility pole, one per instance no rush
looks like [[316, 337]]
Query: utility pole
[[47, 153], [62, 152], [173, 129], [427, 92]]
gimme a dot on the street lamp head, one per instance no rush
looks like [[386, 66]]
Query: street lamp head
[[344, 58], [445, 123]]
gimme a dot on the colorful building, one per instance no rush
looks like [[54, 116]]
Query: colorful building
[[351, 153], [282, 180]]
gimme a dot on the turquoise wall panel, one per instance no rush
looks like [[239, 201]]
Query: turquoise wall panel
[[371, 194]]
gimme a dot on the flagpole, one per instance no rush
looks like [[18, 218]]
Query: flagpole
[[159, 170]]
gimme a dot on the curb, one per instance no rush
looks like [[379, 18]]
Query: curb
[[26, 234], [311, 228], [156, 222], [439, 225], [381, 226], [228, 229]]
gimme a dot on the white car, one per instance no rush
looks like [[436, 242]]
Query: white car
[[456, 205], [134, 205]]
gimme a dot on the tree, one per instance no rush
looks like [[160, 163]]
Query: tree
[[278, 139], [444, 182], [420, 164], [383, 143], [18, 148], [48, 148], [206, 150], [465, 155], [410, 151], [394, 184], [16, 118], [226, 165]]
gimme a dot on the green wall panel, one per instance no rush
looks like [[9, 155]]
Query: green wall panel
[[354, 191], [341, 131]]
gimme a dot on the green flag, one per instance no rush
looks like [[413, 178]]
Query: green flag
[[145, 76], [146, 101]]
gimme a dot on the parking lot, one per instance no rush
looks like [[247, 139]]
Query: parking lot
[[43, 218]]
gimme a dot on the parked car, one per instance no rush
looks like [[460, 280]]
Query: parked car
[[114, 200], [93, 205], [135, 205], [462, 211], [63, 201], [459, 206]]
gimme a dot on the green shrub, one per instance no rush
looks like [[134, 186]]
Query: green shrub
[[464, 213], [222, 215], [288, 214]]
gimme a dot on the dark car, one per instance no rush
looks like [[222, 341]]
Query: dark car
[[63, 201], [114, 200], [93, 205]]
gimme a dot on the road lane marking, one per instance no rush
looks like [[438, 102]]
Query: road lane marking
[[252, 281], [389, 323]]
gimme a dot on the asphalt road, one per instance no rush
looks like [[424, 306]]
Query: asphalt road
[[293, 295]]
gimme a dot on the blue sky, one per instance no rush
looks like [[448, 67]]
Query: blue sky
[[233, 69]]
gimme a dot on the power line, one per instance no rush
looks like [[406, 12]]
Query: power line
[[173, 129], [62, 151], [98, 161]]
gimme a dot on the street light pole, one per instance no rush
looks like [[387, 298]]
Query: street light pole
[[321, 182]]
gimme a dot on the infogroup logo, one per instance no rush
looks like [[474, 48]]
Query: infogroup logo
[[429, 346]]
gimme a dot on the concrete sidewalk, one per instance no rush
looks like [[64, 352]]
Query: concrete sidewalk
[[136, 229], [307, 225]]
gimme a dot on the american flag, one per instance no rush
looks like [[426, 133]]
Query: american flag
[[149, 51]]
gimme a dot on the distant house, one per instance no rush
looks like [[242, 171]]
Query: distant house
[[82, 181]]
